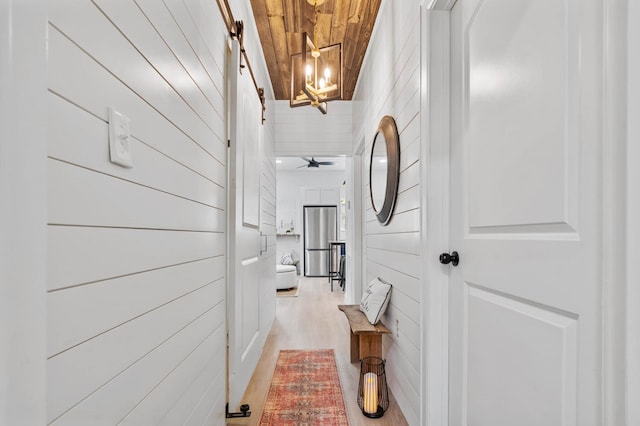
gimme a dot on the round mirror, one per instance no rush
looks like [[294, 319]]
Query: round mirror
[[384, 169], [378, 175]]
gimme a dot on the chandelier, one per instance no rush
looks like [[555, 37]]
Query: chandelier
[[316, 73]]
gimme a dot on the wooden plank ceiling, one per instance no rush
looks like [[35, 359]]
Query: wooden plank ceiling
[[282, 22]]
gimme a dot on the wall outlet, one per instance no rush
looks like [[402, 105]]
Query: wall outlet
[[120, 139]]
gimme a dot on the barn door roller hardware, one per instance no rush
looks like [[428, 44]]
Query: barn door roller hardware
[[235, 29]]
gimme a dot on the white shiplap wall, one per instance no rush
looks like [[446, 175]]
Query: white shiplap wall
[[136, 265], [389, 85], [306, 131]]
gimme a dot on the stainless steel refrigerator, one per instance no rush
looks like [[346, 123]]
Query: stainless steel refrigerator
[[320, 226]]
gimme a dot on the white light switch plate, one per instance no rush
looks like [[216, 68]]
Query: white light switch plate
[[120, 139]]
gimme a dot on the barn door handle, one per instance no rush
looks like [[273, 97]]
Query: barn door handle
[[264, 243], [453, 258]]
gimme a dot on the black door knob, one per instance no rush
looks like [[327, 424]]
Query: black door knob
[[453, 258]]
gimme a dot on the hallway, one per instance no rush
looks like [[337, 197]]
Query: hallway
[[122, 275], [312, 321]]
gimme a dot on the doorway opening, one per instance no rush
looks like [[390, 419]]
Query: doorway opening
[[310, 180]]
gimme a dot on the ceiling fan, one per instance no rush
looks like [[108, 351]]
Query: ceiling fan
[[313, 163]]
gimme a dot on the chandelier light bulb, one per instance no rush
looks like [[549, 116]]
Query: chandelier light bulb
[[327, 73], [308, 73], [321, 83]]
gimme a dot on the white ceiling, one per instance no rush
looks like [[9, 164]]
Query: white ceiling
[[295, 163]]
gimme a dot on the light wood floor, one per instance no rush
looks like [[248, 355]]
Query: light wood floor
[[312, 321]]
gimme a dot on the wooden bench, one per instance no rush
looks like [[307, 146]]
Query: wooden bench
[[366, 339]]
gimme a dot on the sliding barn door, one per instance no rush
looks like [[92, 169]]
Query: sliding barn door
[[525, 337], [244, 233]]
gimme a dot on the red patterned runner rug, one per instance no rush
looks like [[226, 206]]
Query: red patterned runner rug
[[305, 390]]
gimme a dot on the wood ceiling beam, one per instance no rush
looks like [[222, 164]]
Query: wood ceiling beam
[[282, 22], [292, 16], [275, 15], [369, 14], [339, 22], [355, 11], [324, 30], [264, 31]]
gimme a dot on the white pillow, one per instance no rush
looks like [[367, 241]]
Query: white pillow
[[375, 300], [286, 259]]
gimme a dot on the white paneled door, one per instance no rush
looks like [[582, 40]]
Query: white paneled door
[[525, 339], [244, 233]]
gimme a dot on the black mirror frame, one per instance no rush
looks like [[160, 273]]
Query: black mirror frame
[[389, 131]]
